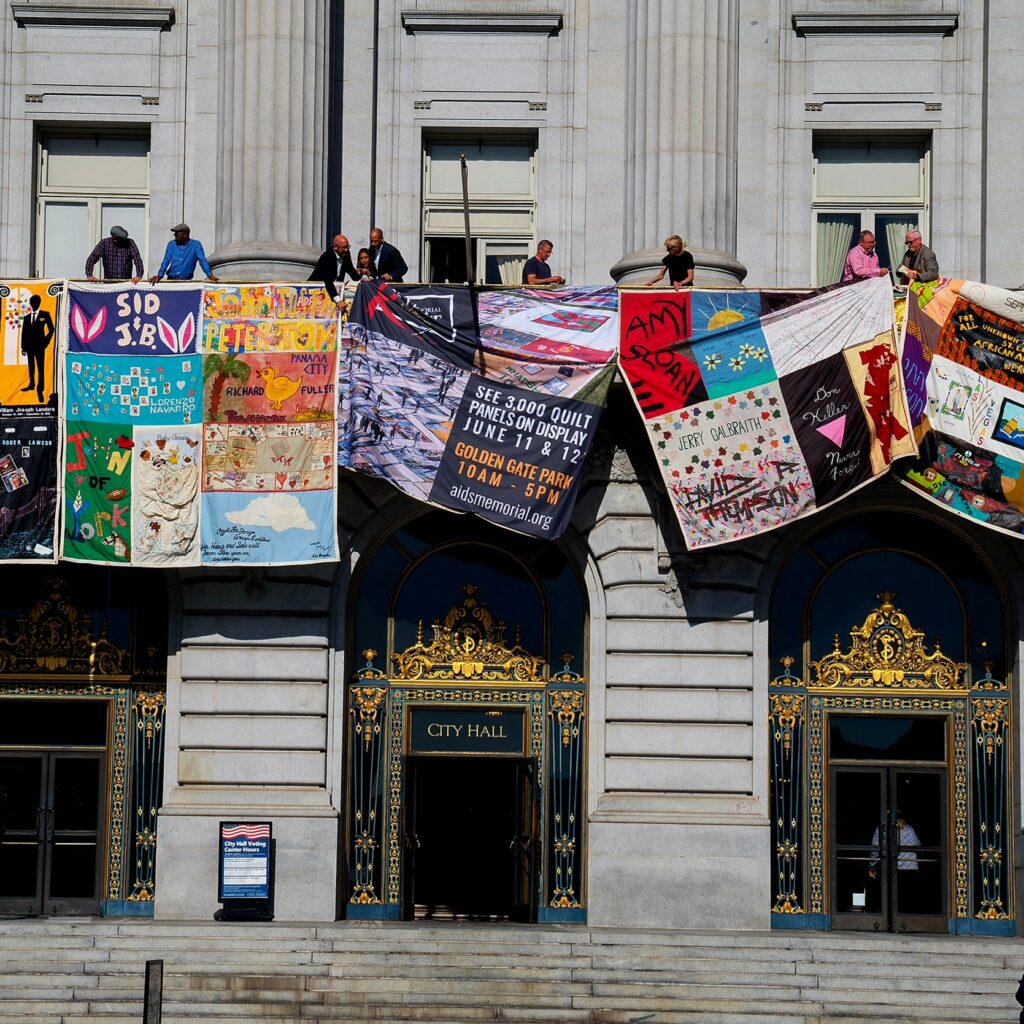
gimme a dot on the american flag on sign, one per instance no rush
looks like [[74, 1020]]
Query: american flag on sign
[[245, 831]]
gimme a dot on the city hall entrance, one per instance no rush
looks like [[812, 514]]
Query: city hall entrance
[[890, 732], [53, 786], [470, 839], [82, 711], [888, 823], [465, 767]]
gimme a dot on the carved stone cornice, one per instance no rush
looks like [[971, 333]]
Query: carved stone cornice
[[146, 16], [942, 23], [540, 23]]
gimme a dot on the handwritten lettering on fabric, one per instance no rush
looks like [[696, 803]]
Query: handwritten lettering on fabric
[[758, 418], [270, 393]]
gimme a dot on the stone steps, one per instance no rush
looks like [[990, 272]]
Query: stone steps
[[65, 972]]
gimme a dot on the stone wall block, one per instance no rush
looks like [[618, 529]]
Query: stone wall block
[[253, 663], [279, 697], [672, 668]]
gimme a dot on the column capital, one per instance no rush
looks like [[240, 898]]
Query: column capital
[[713, 267]]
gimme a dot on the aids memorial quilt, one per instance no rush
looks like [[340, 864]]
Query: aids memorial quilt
[[28, 420], [269, 485], [478, 402], [133, 401], [963, 362], [757, 417], [200, 425]]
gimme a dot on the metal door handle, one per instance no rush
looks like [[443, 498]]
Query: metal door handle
[[39, 823], [49, 823]]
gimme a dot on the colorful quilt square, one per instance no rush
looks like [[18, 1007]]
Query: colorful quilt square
[[715, 311], [732, 360]]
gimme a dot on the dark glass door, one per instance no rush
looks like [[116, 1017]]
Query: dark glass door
[[524, 844], [51, 831], [470, 838], [888, 847]]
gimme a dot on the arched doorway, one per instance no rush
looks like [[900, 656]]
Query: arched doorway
[[82, 706], [466, 741], [889, 731]]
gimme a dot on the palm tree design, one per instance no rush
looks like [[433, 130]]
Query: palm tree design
[[221, 368]]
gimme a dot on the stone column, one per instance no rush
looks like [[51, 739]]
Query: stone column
[[272, 138], [681, 136]]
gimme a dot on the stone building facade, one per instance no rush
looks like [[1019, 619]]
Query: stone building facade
[[766, 135]]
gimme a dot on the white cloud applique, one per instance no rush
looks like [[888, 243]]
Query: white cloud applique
[[279, 512]]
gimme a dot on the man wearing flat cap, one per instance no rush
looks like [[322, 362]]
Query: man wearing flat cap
[[118, 254], [181, 256]]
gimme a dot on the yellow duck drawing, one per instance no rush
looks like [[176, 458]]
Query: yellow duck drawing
[[278, 388]]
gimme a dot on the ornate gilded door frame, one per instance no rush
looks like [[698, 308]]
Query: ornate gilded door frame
[[467, 665], [888, 671], [52, 654]]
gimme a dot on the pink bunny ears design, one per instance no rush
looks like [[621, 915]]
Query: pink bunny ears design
[[177, 341], [86, 329]]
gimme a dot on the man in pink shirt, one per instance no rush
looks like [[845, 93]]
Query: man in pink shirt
[[862, 261]]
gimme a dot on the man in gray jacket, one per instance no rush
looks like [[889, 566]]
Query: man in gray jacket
[[919, 262]]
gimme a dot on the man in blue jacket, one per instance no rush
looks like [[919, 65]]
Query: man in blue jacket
[[181, 256]]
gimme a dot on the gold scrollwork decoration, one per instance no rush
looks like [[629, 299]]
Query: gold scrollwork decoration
[[988, 681], [469, 643], [367, 702], [566, 705], [887, 653], [369, 670], [786, 709], [989, 720], [567, 675], [787, 678], [149, 714], [55, 639]]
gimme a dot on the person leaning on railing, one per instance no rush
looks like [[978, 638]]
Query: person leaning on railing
[[678, 263]]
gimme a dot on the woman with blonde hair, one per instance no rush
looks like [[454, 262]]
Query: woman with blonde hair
[[678, 263]]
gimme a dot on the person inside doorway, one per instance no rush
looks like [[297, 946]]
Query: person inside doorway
[[906, 839]]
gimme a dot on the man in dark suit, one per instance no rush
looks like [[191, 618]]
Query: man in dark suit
[[36, 334], [386, 258], [333, 265]]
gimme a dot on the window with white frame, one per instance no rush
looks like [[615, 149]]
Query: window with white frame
[[87, 183], [863, 184], [502, 177]]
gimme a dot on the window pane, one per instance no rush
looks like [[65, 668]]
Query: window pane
[[504, 262], [447, 260], [866, 169], [72, 723], [887, 737], [922, 593], [132, 217], [890, 237], [495, 168], [836, 233], [66, 239], [81, 163]]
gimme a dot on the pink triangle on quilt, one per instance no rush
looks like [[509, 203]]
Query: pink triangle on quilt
[[835, 430]]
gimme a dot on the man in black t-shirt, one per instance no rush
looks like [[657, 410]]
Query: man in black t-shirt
[[678, 263], [536, 269]]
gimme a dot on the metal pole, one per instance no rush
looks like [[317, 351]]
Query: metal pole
[[470, 274], [153, 1001], [373, 115]]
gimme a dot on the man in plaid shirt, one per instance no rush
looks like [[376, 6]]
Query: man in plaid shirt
[[117, 254]]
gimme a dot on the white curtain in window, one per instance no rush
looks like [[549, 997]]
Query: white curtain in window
[[896, 236], [835, 239], [511, 268]]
